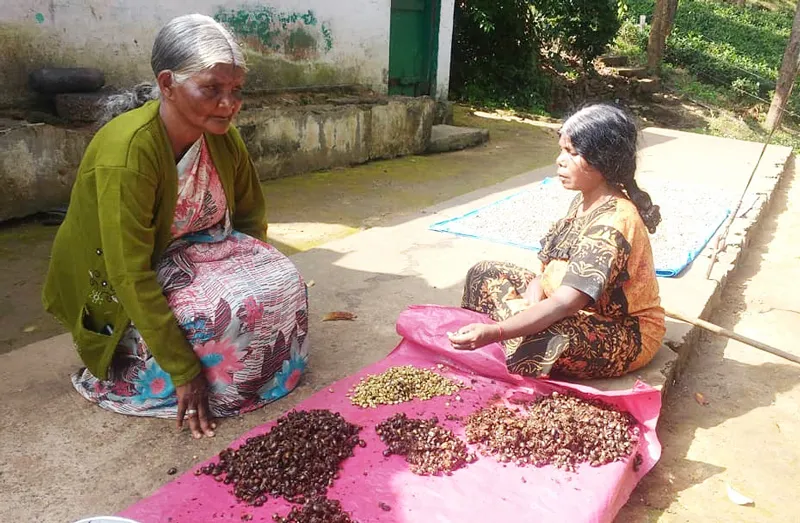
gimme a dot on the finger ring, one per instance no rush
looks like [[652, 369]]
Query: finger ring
[[191, 412]]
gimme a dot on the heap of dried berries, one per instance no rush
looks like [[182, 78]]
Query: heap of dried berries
[[298, 459], [316, 510], [401, 384], [559, 429], [428, 447]]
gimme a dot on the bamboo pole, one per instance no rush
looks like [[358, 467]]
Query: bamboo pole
[[716, 329], [722, 238]]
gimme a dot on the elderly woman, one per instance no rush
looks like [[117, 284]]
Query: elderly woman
[[594, 311], [177, 306]]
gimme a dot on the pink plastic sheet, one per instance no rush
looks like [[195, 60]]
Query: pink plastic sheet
[[482, 491]]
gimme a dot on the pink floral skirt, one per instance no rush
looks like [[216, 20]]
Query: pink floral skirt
[[244, 308]]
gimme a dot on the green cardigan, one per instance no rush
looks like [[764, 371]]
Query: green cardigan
[[117, 227]]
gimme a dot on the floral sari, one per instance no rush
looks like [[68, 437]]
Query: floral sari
[[242, 304]]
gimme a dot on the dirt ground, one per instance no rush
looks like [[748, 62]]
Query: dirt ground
[[304, 211], [746, 435]]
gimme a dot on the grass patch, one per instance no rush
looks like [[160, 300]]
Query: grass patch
[[729, 113], [740, 48], [724, 59]]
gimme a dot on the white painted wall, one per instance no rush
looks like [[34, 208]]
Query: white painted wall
[[445, 49], [117, 35]]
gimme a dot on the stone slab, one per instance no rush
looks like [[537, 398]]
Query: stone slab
[[632, 72], [445, 138], [614, 60], [648, 85], [38, 163]]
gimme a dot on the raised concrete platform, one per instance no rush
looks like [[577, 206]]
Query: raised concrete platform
[[39, 162], [64, 458], [445, 138]]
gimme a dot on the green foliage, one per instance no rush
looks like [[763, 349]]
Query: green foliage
[[631, 41], [581, 27], [499, 46], [724, 44], [495, 55], [746, 86]]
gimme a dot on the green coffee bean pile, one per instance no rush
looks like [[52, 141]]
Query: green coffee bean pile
[[400, 384]]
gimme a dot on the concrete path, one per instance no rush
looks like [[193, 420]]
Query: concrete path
[[64, 458]]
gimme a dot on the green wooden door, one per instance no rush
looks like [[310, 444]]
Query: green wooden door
[[412, 33]]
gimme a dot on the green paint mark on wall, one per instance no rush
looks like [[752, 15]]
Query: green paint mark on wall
[[298, 35], [326, 33], [40, 18]]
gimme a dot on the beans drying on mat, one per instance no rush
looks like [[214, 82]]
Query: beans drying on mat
[[690, 214], [429, 448], [559, 429], [401, 384], [297, 459], [316, 510]]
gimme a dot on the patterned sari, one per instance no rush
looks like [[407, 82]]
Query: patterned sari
[[242, 305]]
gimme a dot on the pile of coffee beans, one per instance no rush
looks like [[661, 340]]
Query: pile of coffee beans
[[298, 459], [558, 429], [316, 510], [400, 384], [429, 448]]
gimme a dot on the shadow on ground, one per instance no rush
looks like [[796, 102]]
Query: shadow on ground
[[304, 211]]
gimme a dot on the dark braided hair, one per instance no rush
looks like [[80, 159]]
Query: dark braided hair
[[605, 136]]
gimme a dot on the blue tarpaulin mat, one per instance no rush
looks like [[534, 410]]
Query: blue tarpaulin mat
[[690, 218]]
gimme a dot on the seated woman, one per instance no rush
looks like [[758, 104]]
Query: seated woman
[[177, 306], [594, 312]]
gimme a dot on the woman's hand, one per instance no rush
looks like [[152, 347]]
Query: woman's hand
[[193, 404], [534, 293], [474, 336]]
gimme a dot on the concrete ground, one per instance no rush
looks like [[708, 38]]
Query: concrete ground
[[63, 458], [304, 211]]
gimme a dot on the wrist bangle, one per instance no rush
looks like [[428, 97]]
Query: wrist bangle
[[500, 332]]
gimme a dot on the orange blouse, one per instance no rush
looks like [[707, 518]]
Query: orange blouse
[[606, 254]]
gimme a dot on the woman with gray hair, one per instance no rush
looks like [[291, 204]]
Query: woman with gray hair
[[177, 306]]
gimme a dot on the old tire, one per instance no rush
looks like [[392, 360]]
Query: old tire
[[58, 80]]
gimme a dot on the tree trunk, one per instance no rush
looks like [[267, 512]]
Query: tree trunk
[[741, 3], [787, 75], [663, 18]]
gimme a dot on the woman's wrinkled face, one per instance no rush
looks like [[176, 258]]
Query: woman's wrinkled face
[[209, 100], [574, 172]]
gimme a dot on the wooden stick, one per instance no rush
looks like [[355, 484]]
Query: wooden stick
[[716, 329]]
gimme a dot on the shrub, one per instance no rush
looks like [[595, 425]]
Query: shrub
[[746, 86], [631, 41], [582, 28], [499, 46], [495, 54]]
